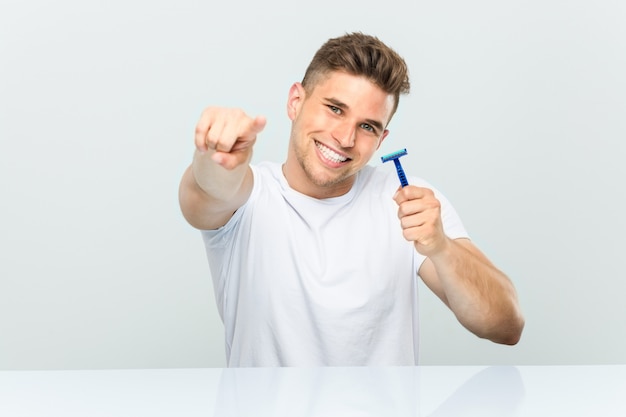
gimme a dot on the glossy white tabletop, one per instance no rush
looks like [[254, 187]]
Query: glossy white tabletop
[[428, 391]]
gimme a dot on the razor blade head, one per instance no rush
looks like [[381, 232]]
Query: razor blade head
[[393, 155]]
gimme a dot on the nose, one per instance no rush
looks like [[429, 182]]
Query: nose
[[345, 134]]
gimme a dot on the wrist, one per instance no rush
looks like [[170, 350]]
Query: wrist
[[439, 251]]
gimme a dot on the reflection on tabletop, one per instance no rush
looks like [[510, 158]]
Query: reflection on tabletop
[[424, 391], [402, 391]]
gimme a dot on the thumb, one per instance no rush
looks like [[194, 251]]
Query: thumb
[[399, 197], [230, 160]]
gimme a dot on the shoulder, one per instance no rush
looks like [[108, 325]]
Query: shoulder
[[266, 170], [266, 176]]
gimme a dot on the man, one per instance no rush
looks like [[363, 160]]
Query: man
[[315, 261]]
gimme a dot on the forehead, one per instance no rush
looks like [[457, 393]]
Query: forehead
[[357, 92]]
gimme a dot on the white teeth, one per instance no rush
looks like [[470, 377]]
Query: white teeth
[[330, 154]]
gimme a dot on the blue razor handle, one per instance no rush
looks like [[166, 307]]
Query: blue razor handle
[[395, 157]]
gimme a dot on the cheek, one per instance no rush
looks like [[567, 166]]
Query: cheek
[[368, 145]]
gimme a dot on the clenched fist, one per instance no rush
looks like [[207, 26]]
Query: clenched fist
[[419, 212], [229, 133]]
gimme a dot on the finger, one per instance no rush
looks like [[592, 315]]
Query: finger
[[398, 196], [415, 220], [217, 136], [410, 192], [246, 129], [236, 130], [201, 131], [209, 128], [420, 229], [259, 124]]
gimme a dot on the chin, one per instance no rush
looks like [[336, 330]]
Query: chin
[[323, 179]]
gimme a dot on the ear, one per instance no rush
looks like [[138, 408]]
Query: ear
[[295, 100], [382, 138]]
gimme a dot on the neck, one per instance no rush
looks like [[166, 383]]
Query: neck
[[300, 182]]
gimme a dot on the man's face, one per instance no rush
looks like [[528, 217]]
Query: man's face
[[336, 129]]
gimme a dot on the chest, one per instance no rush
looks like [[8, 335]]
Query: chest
[[337, 256]]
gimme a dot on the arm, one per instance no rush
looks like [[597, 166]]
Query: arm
[[219, 180], [481, 296]]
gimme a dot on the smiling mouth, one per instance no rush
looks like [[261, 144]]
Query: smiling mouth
[[330, 154]]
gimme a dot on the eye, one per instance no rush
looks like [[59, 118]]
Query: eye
[[334, 109], [368, 127]]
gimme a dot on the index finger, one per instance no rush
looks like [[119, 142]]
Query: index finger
[[239, 133], [258, 124]]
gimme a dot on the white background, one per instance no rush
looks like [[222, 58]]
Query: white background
[[517, 113]]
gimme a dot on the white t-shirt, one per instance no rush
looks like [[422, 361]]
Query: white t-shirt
[[306, 282]]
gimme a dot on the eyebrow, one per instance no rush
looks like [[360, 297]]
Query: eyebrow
[[378, 125]]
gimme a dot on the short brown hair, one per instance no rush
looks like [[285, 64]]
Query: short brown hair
[[362, 55]]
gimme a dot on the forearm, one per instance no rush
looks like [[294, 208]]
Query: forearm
[[217, 182], [481, 296], [209, 193]]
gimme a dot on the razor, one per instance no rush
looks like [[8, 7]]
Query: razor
[[395, 157]]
